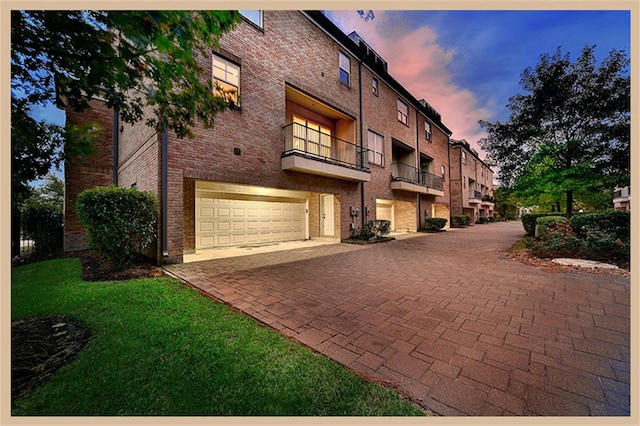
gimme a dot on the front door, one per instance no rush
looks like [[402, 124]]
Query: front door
[[327, 219]]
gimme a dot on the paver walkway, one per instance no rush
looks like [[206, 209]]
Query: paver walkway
[[447, 318]]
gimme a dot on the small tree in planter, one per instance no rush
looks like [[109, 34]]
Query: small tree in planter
[[121, 222], [434, 224]]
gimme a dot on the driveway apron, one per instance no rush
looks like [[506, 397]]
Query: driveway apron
[[448, 319]]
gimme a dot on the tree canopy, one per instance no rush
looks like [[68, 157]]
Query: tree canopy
[[131, 60], [568, 135]]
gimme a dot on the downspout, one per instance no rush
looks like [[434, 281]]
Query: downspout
[[116, 141], [164, 190], [362, 151], [418, 164], [449, 172]]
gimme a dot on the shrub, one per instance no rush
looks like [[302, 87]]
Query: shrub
[[606, 235], [120, 222], [42, 223], [434, 224], [529, 221], [614, 223], [482, 219], [372, 229], [557, 240], [460, 221], [491, 219], [544, 223]]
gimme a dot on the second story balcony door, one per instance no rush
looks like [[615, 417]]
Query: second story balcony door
[[311, 137]]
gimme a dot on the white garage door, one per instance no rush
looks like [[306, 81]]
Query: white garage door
[[226, 222]]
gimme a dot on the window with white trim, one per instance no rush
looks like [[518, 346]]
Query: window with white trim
[[403, 112], [226, 79], [443, 169], [345, 69], [427, 130], [376, 148], [374, 85], [254, 16], [464, 157]]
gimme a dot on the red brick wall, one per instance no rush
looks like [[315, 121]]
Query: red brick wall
[[289, 50], [87, 172]]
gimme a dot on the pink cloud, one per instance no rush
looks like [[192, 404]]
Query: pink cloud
[[421, 65]]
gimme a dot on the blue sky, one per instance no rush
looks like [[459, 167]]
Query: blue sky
[[467, 64]]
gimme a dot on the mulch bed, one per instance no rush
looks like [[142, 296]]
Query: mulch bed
[[549, 266], [40, 347]]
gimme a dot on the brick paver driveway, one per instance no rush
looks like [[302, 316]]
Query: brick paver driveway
[[448, 319]]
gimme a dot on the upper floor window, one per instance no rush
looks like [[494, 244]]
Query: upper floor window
[[427, 130], [443, 170], [376, 148], [374, 85], [464, 157], [345, 69], [254, 16], [226, 79], [403, 112]]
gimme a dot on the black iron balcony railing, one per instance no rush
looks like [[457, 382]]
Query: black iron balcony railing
[[407, 173], [475, 194], [310, 142], [431, 181], [488, 198]]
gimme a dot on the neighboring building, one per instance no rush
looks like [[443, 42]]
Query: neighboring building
[[323, 139], [622, 198], [471, 183]]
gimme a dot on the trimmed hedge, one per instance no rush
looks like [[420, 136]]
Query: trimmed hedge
[[434, 224], [121, 222], [615, 223], [529, 221], [603, 236], [460, 221], [545, 223]]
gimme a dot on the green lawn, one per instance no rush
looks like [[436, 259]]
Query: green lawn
[[161, 348]]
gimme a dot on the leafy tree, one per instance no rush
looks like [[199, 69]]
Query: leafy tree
[[506, 204], [568, 135], [50, 192]]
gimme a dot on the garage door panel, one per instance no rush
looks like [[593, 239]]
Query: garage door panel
[[232, 222]]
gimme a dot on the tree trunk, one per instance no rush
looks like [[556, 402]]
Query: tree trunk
[[569, 204]]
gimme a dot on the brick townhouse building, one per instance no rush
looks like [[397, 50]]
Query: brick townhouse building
[[323, 139], [471, 182]]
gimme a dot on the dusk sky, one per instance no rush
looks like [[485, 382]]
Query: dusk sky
[[467, 64]]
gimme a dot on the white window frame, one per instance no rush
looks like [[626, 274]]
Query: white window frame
[[250, 15], [427, 130], [374, 85], [376, 153], [403, 116], [443, 170], [464, 157], [226, 73], [344, 63]]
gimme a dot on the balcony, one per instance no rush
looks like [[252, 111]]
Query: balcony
[[488, 200], [475, 197], [310, 151], [408, 178]]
